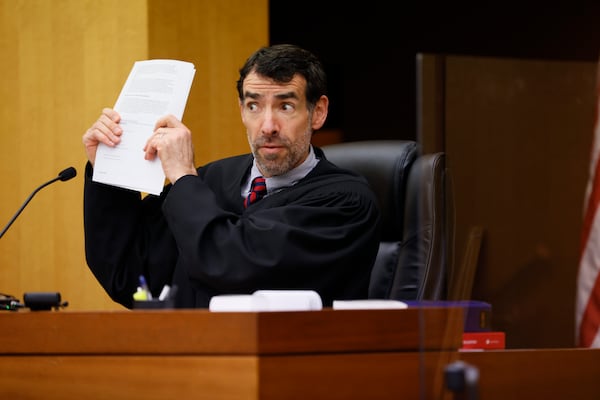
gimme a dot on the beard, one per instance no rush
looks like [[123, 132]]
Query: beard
[[279, 164]]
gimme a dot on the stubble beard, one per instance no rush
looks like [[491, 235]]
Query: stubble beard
[[272, 164]]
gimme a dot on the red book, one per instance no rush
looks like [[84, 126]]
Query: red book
[[483, 340]]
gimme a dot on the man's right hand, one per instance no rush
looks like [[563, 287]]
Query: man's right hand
[[105, 130]]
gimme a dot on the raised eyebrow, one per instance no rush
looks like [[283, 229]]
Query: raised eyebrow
[[280, 96], [252, 95], [287, 95]]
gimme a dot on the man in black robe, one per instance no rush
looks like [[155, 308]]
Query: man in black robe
[[317, 228]]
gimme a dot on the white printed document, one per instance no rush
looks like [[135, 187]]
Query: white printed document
[[267, 300], [153, 89], [368, 304]]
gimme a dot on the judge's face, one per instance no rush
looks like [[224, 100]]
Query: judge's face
[[278, 123]]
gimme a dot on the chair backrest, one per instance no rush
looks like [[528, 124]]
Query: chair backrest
[[417, 242]]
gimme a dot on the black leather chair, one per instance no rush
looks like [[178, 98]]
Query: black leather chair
[[416, 249]]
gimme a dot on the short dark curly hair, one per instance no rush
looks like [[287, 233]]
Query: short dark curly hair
[[280, 63]]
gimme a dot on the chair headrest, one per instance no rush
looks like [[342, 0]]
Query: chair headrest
[[385, 164]]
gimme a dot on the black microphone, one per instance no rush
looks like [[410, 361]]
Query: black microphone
[[64, 175]]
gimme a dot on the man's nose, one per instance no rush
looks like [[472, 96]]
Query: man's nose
[[269, 123]]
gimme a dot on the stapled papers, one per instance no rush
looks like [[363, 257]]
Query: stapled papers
[[153, 89]]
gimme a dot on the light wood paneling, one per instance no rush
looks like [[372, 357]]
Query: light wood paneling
[[62, 62], [217, 36]]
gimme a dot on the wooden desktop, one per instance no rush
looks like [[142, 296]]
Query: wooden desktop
[[328, 354], [158, 354]]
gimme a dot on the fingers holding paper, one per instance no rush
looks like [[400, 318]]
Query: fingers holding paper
[[105, 130], [172, 143]]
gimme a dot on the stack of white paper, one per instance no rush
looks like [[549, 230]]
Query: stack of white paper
[[153, 89], [268, 300], [368, 304]]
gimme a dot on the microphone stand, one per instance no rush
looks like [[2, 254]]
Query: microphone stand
[[63, 176], [37, 300]]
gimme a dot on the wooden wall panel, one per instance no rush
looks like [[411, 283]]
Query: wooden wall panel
[[62, 62], [217, 36], [518, 136]]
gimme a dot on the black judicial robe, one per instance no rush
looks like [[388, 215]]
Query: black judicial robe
[[320, 234]]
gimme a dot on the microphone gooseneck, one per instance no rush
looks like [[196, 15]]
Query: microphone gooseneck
[[64, 175]]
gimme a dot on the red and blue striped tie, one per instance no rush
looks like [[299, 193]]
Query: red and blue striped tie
[[258, 189]]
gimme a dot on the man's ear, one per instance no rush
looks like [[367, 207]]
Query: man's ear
[[320, 112]]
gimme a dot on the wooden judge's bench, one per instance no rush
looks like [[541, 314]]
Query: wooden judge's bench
[[328, 354]]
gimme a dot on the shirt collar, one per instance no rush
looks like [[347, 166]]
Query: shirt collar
[[285, 180]]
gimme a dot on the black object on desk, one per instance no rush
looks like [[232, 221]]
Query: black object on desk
[[43, 301]]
